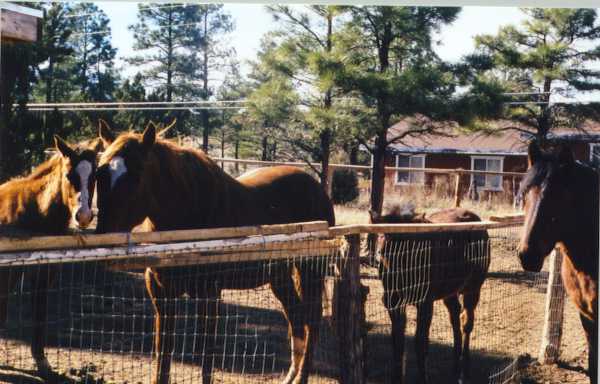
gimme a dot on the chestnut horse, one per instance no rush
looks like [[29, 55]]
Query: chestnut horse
[[560, 199], [55, 195], [418, 269], [143, 176]]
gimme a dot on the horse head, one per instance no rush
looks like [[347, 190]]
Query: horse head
[[548, 200]]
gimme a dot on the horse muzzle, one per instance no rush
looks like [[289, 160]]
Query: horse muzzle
[[530, 261], [84, 217]]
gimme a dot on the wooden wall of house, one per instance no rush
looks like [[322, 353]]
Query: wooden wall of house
[[452, 161]]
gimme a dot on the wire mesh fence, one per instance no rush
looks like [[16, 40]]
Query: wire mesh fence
[[97, 320], [225, 305], [507, 317]]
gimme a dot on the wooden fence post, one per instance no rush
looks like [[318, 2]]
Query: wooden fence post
[[350, 316], [457, 195], [554, 309]]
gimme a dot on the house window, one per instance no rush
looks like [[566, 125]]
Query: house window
[[595, 154], [410, 161], [489, 164]]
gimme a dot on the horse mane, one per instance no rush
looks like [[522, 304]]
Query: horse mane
[[44, 169], [545, 167], [190, 169], [537, 173]]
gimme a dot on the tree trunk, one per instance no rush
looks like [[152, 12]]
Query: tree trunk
[[236, 154], [265, 148], [170, 58], [223, 147], [353, 153], [325, 155], [378, 172], [205, 119], [544, 119], [326, 134]]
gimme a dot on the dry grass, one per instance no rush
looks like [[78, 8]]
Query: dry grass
[[426, 199]]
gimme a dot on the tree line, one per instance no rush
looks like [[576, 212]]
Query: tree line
[[327, 83]]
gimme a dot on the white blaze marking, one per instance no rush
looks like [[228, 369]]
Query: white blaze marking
[[84, 171], [117, 169]]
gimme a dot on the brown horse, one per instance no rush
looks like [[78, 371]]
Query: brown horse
[[560, 199], [418, 269], [143, 176], [56, 194]]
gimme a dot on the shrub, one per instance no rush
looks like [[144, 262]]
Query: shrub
[[344, 187]]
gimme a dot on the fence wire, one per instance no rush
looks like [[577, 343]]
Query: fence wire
[[411, 270], [97, 321]]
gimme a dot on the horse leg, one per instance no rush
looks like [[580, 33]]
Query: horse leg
[[424, 317], [467, 319], [161, 290], [312, 305], [453, 306], [284, 288], [398, 319], [8, 279], [210, 315], [591, 335], [41, 282]]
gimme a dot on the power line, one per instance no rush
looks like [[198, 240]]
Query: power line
[[119, 108], [136, 103]]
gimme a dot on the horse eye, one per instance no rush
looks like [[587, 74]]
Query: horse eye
[[74, 180]]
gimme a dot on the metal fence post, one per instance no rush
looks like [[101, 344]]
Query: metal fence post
[[554, 310], [350, 316]]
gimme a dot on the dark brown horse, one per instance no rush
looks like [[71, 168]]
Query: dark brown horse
[[56, 194], [560, 199], [142, 176], [418, 269]]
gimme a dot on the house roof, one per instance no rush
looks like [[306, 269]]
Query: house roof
[[508, 142]]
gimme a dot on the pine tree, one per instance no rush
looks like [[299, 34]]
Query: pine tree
[[54, 47], [386, 60], [93, 54], [213, 53], [166, 37], [306, 40], [550, 52]]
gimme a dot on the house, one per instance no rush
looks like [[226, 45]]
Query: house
[[502, 152]]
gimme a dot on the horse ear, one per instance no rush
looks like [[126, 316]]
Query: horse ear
[[534, 153], [565, 155], [149, 136], [65, 149], [163, 131], [374, 216], [106, 134]]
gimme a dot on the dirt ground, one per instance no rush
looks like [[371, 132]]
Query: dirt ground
[[100, 326]]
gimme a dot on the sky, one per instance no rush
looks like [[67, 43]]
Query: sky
[[253, 21]]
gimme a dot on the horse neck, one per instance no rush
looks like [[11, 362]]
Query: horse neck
[[208, 196], [37, 201], [581, 243]]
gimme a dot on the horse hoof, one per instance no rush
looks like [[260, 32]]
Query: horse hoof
[[44, 368], [289, 378], [45, 372]]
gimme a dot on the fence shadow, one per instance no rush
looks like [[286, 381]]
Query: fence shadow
[[440, 368], [92, 308]]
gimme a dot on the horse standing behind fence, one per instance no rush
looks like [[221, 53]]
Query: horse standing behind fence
[[56, 193], [561, 210], [418, 269], [141, 176]]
